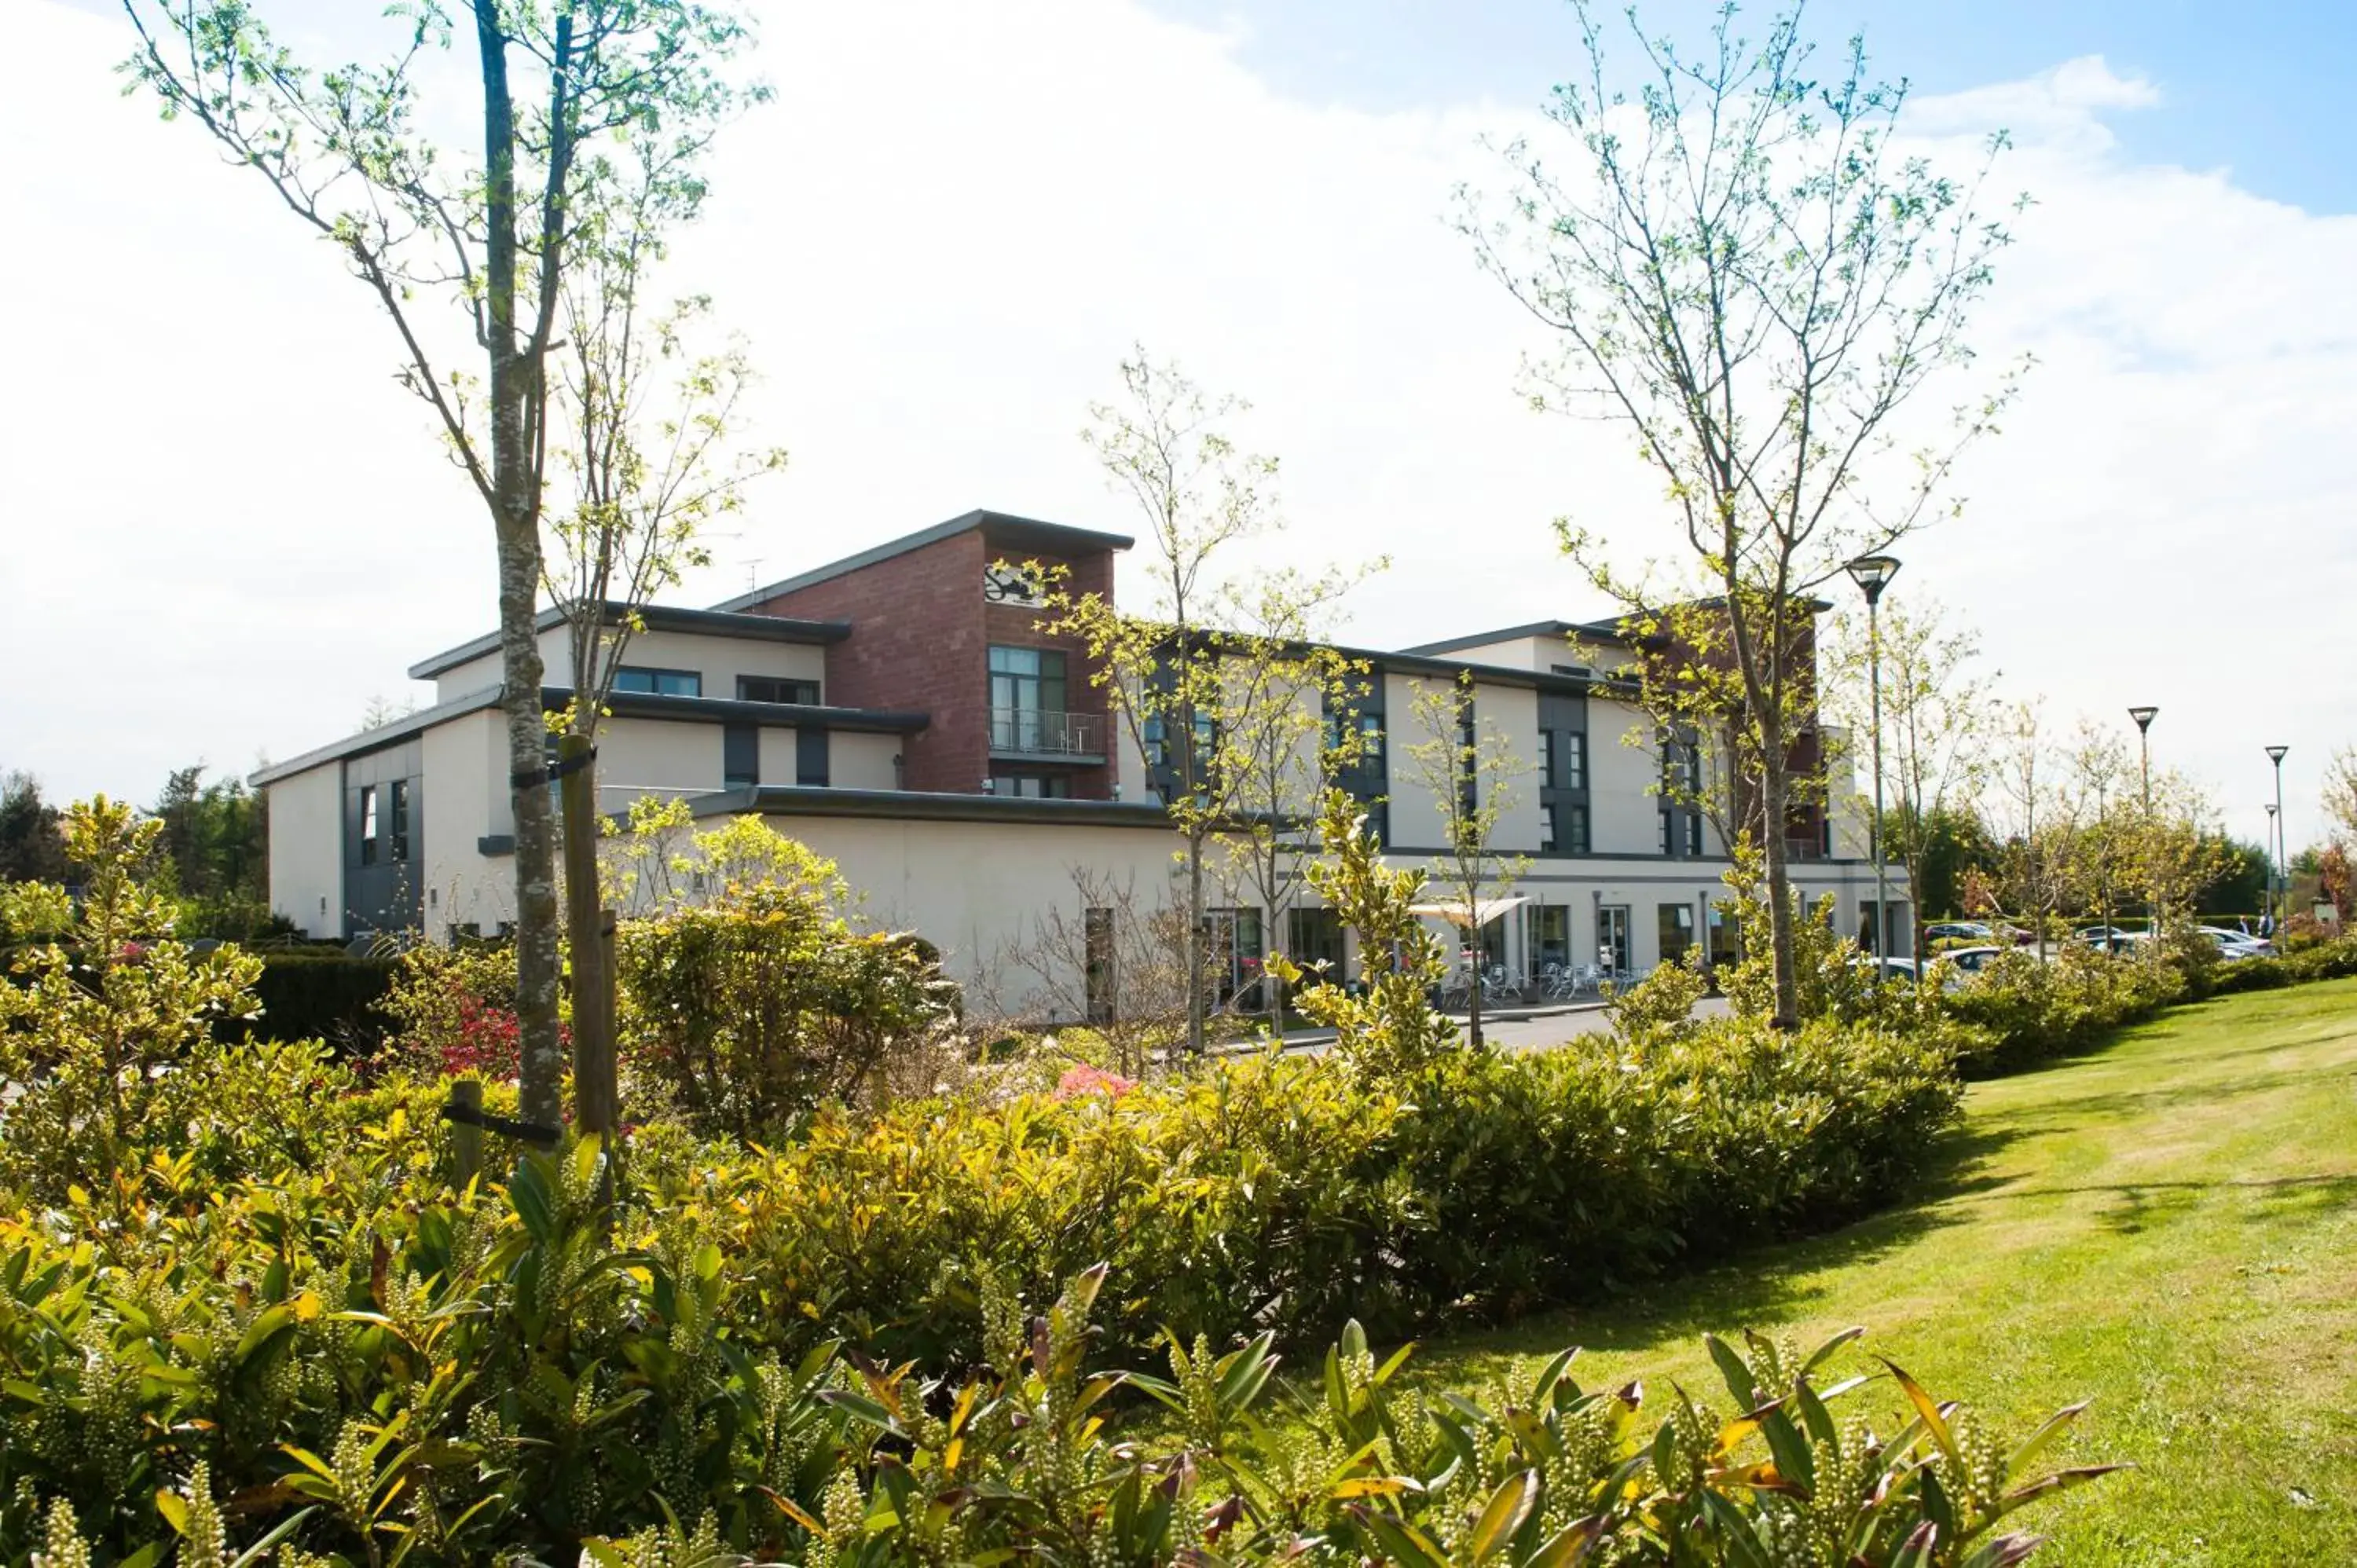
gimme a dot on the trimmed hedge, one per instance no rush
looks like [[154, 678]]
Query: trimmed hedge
[[328, 996]]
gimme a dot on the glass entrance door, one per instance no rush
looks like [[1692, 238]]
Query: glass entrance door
[[1612, 936]]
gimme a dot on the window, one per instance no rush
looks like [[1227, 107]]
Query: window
[[1575, 760], [398, 801], [1575, 842], [1693, 832], [1664, 816], [1676, 923], [1580, 670], [1551, 934], [1032, 786], [776, 689], [810, 757], [1547, 739], [1546, 829], [740, 757], [367, 824], [1314, 943], [647, 681], [1468, 744]]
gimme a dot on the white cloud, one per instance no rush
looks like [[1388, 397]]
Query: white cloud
[[226, 529]]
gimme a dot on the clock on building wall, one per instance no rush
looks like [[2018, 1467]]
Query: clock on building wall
[[1002, 584]]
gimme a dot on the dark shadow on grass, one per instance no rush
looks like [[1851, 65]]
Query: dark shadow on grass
[[2078, 1110], [2142, 1205], [1757, 1287]]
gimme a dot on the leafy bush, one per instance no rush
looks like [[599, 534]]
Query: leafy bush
[[453, 1011], [757, 1008], [469, 1382], [100, 1019]]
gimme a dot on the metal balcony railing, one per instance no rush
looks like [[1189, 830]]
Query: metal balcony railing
[[1803, 848], [1040, 731]]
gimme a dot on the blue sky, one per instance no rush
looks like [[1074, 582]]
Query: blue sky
[[955, 218], [2257, 86]]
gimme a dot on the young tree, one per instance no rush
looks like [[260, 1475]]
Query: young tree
[[1469, 769], [1747, 272], [648, 460], [2031, 823], [32, 842], [572, 95], [1203, 701], [1115, 960], [1935, 722], [2340, 797]]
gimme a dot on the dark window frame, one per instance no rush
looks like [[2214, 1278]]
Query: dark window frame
[[369, 824], [750, 689], [656, 677], [397, 824]]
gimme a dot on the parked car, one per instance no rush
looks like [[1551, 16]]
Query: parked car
[[1892, 967], [1957, 930], [2238, 944], [1972, 960]]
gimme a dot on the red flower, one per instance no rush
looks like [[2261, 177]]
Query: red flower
[[1086, 1080]]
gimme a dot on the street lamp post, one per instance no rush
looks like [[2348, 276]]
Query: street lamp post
[[1873, 573], [2273, 810], [2279, 880], [2143, 717]]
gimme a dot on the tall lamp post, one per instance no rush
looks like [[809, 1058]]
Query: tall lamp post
[[2143, 717], [2279, 874], [1873, 573]]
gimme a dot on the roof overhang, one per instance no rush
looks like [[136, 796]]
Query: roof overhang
[[1000, 530], [656, 617]]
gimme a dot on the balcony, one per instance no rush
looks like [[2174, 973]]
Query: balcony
[[1043, 732]]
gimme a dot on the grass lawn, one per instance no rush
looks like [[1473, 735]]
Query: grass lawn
[[2167, 1228]]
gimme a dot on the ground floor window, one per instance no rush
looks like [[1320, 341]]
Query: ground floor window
[[1726, 935], [1314, 938], [1676, 923], [1612, 936], [1551, 935], [1236, 948]]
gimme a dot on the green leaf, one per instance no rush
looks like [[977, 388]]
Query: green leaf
[[1570, 1545], [1399, 1540], [285, 1527], [2038, 1441], [1508, 1506], [1926, 1409], [263, 1331], [1744, 1548], [1817, 1356], [1734, 1372]]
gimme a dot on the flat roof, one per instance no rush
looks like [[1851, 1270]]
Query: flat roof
[[928, 805], [1005, 527], [622, 704], [376, 739], [657, 617], [1607, 632]]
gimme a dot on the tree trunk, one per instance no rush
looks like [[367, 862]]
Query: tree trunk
[[595, 1094], [1473, 996], [1772, 798], [1197, 958], [516, 514]]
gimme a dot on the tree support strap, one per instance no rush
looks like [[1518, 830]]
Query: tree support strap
[[534, 778], [526, 1132]]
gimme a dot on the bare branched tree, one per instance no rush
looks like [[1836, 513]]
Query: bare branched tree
[[1746, 270], [1109, 957], [579, 101]]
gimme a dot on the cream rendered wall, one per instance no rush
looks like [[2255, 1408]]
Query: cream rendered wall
[[1623, 812], [974, 888], [655, 756], [720, 659], [780, 762], [1415, 819], [475, 675], [856, 760], [467, 800], [307, 849], [1511, 715]]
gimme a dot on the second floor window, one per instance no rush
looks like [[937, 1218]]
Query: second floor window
[[1548, 740], [776, 689], [367, 824], [648, 681], [1546, 829], [398, 799], [1575, 760]]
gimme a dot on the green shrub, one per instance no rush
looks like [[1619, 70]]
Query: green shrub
[[757, 1008], [320, 996], [98, 1020]]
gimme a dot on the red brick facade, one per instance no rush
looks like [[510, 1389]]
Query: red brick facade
[[920, 642]]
